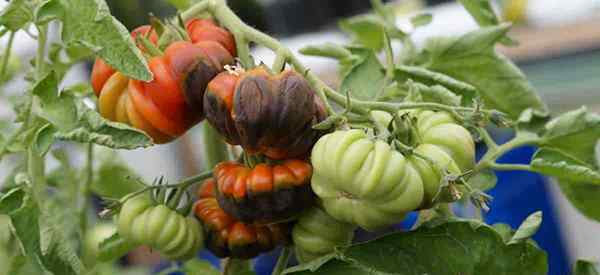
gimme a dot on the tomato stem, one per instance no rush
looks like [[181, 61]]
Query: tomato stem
[[489, 159], [215, 149], [6, 56], [85, 189], [282, 261]]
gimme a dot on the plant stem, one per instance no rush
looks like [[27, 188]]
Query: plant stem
[[489, 159], [194, 10], [389, 57], [183, 184], [282, 261], [510, 167], [84, 189], [215, 150], [6, 56], [35, 169], [35, 162], [487, 139], [226, 263], [41, 51], [280, 59]]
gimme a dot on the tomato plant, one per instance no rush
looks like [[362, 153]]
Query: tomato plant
[[291, 162]]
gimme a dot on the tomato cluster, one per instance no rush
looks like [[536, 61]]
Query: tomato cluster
[[271, 198], [172, 102], [366, 182]]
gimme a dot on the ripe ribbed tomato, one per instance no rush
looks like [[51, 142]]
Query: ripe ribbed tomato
[[366, 182], [264, 113], [171, 103], [207, 30], [228, 237], [265, 193]]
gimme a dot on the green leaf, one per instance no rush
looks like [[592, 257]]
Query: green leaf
[[365, 30], [560, 165], [421, 20], [505, 231], [113, 178], [57, 108], [455, 247], [17, 14], [484, 180], [484, 15], [95, 129], [576, 132], [531, 123], [197, 266], [583, 196], [403, 73], [21, 106], [435, 93], [528, 228], [472, 58], [482, 12], [113, 247], [366, 79], [180, 4], [89, 23], [583, 267], [54, 256], [239, 267], [328, 49], [48, 11], [44, 138]]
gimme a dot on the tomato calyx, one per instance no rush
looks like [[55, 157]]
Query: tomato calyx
[[178, 199]]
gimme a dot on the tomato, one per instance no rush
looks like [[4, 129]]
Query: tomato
[[143, 222], [206, 30], [316, 234], [263, 113], [172, 102], [93, 238], [228, 237], [364, 181], [265, 193], [101, 72]]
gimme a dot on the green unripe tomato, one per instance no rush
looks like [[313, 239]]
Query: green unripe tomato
[[141, 222], [364, 181], [93, 239], [316, 233]]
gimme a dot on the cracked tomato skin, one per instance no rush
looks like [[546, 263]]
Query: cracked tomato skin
[[265, 193], [228, 237], [316, 234], [143, 222], [170, 104], [364, 181], [265, 113]]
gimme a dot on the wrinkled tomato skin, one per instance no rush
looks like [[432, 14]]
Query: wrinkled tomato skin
[[264, 113]]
